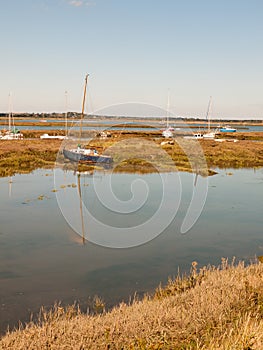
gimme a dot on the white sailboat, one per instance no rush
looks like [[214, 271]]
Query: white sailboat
[[209, 135], [12, 133], [168, 132]]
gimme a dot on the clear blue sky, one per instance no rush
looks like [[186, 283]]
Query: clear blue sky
[[134, 51]]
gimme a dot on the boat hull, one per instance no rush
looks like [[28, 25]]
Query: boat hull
[[227, 130], [195, 137], [11, 136], [209, 136], [87, 158], [55, 137], [167, 133]]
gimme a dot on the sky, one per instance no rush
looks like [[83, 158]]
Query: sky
[[135, 52]]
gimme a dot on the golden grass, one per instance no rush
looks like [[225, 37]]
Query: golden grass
[[136, 153], [23, 156], [213, 308]]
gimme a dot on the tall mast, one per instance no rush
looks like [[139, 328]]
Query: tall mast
[[207, 113], [83, 104], [66, 114], [168, 109], [9, 113]]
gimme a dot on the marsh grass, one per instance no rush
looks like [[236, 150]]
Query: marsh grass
[[212, 308], [23, 156]]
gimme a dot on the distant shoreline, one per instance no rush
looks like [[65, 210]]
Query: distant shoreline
[[74, 116]]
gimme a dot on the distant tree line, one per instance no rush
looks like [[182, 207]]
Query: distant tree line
[[77, 115]]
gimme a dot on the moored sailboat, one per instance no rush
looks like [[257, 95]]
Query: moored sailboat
[[84, 155], [168, 132], [209, 135], [12, 133]]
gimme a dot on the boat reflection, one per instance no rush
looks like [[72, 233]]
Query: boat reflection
[[81, 211]]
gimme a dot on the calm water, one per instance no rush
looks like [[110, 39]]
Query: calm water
[[43, 260], [113, 125]]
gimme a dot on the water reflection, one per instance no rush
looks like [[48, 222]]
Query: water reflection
[[41, 262]]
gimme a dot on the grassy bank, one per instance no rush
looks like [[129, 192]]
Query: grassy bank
[[23, 156], [213, 308], [137, 153]]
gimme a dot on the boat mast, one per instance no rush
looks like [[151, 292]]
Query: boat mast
[[168, 109], [9, 114], [66, 114], [207, 113], [83, 105]]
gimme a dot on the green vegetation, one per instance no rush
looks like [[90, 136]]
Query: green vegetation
[[212, 308]]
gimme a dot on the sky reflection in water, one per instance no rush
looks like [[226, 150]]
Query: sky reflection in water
[[42, 260]]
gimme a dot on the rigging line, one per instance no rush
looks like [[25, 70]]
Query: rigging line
[[9, 112], [90, 101], [168, 109], [66, 113], [83, 105], [208, 111]]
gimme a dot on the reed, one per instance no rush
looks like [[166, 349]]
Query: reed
[[211, 308]]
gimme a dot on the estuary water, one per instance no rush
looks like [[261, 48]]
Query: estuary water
[[121, 125], [133, 229]]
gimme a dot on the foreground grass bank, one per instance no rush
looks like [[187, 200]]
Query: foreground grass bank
[[213, 308]]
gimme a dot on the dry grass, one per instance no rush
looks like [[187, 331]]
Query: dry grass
[[242, 154], [23, 156], [213, 308], [137, 153]]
